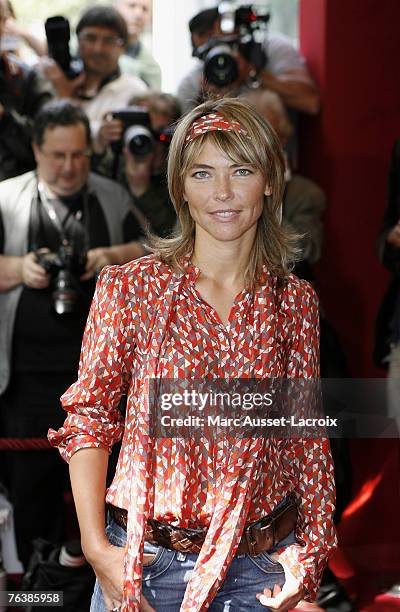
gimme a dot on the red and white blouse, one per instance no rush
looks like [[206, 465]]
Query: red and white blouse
[[149, 321]]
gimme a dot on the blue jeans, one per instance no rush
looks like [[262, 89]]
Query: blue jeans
[[165, 578]]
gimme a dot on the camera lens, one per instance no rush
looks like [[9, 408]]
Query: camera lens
[[65, 296], [220, 66], [139, 140]]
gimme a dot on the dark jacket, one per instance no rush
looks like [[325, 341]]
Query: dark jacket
[[22, 93], [387, 327]]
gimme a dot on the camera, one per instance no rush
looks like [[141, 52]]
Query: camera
[[138, 135], [64, 266], [58, 34], [243, 31]]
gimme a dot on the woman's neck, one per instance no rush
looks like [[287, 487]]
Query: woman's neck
[[224, 264]]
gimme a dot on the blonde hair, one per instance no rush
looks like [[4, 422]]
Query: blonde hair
[[274, 245]]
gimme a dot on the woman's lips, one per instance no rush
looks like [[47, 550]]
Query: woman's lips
[[225, 215]]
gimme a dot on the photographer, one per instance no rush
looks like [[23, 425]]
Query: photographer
[[100, 88], [282, 69], [22, 93], [138, 159], [58, 227]]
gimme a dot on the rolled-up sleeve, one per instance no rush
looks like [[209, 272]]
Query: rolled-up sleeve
[[312, 462], [92, 402]]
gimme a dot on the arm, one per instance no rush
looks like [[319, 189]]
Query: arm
[[17, 270], [88, 471], [94, 422], [286, 73], [305, 561], [117, 254], [294, 87]]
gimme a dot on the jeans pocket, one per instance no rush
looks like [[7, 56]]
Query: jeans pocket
[[267, 564], [159, 565], [155, 551]]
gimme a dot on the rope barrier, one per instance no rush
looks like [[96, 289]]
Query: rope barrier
[[24, 444]]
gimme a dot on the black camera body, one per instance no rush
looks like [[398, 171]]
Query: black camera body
[[64, 267], [138, 135], [244, 29], [58, 34]]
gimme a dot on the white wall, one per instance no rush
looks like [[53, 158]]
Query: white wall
[[171, 41]]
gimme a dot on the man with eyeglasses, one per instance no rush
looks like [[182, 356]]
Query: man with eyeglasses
[[86, 221], [22, 93], [101, 87]]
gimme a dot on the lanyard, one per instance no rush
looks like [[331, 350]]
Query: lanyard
[[49, 207]]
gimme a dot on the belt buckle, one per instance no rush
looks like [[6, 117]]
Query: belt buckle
[[182, 545]]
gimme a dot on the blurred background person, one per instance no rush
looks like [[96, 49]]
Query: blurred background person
[[15, 34], [137, 14], [22, 93], [138, 160], [100, 87], [304, 201], [282, 69], [387, 344]]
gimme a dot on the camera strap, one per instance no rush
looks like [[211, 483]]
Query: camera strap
[[41, 199]]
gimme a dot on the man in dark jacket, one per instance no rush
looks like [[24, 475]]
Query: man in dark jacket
[[387, 344], [58, 226], [22, 93]]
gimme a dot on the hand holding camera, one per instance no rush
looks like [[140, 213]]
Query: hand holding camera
[[65, 88], [110, 131], [33, 274], [96, 260]]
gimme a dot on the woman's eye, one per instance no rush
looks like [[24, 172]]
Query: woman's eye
[[243, 172], [200, 174]]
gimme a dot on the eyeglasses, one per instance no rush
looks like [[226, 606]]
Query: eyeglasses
[[59, 157], [108, 41]]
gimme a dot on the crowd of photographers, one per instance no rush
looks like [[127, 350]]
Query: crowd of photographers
[[83, 149]]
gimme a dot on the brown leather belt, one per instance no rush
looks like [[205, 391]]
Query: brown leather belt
[[257, 537]]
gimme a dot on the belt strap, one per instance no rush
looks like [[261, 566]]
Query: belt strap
[[257, 537]]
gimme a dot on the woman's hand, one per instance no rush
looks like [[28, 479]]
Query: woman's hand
[[108, 565], [285, 598]]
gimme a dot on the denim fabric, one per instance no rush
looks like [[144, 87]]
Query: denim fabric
[[165, 578]]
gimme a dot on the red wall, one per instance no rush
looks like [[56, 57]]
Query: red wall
[[353, 50]]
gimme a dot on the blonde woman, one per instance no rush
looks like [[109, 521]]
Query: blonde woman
[[199, 524]]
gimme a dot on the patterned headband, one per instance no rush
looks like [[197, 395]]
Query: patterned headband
[[212, 122]]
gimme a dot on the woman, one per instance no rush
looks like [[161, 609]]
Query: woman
[[201, 518]]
